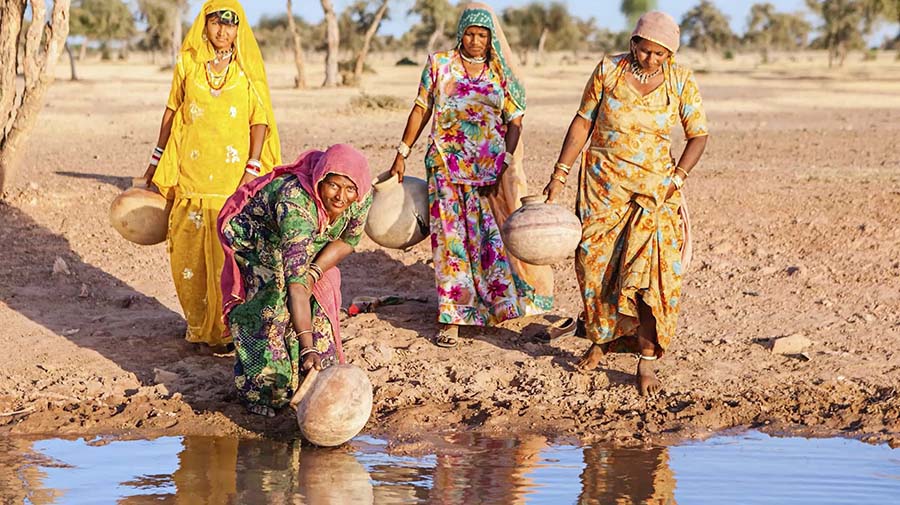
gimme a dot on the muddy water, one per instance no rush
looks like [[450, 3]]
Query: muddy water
[[747, 468]]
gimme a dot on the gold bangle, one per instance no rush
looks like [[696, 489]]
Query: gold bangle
[[559, 178], [683, 171], [562, 166]]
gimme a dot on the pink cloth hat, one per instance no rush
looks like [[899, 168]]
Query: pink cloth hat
[[659, 27]]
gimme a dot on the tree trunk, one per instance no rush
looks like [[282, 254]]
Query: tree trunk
[[541, 42], [300, 78], [177, 29], [432, 40], [43, 45], [333, 36], [370, 33], [73, 74]]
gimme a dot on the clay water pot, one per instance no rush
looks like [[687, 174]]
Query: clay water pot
[[398, 218], [333, 405], [541, 233], [140, 215]]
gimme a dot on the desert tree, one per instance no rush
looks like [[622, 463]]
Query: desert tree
[[436, 21], [101, 20], [372, 25], [707, 28], [333, 39], [297, 46], [534, 25], [843, 24], [45, 38], [768, 29], [633, 9], [165, 27]]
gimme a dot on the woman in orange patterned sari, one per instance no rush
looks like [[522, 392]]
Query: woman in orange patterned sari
[[629, 263]]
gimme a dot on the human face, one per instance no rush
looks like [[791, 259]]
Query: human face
[[649, 55], [221, 35], [337, 193], [476, 41]]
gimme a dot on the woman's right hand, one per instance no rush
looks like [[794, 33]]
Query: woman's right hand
[[312, 360], [399, 167], [553, 189], [148, 175]]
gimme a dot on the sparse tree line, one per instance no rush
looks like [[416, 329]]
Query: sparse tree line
[[533, 29], [30, 51]]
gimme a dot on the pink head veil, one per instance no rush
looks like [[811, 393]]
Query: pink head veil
[[659, 27]]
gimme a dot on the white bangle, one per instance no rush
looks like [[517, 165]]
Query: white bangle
[[156, 156], [677, 181], [507, 160], [403, 150]]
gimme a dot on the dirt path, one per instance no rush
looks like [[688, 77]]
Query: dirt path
[[796, 208]]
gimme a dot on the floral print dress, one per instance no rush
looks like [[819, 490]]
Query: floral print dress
[[275, 238], [476, 284], [631, 240]]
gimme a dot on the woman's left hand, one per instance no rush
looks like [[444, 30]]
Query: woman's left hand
[[312, 360], [671, 191]]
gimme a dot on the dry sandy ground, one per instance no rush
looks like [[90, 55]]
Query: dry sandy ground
[[796, 209]]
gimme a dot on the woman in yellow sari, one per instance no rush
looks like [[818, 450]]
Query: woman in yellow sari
[[631, 258], [217, 132]]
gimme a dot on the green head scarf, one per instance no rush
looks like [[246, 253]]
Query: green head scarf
[[480, 16]]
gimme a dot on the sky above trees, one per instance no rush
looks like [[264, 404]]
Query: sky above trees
[[606, 12]]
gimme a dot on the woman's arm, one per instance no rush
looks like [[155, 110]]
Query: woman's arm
[[418, 119], [301, 319], [165, 131], [299, 299], [332, 254], [693, 150], [576, 137], [257, 138]]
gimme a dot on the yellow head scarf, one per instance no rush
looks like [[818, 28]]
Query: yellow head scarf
[[249, 58]]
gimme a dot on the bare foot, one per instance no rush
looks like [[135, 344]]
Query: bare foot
[[591, 359], [647, 382]]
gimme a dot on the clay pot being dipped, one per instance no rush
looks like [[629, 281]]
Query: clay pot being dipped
[[333, 405], [541, 233], [140, 215], [398, 218]]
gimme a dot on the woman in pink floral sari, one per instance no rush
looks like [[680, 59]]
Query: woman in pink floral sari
[[475, 178]]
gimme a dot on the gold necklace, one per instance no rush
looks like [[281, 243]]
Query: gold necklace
[[216, 81]]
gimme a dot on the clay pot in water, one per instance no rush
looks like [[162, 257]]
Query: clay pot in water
[[333, 405], [541, 233], [140, 215], [398, 218]]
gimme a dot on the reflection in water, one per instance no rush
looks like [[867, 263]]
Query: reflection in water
[[466, 469], [627, 476]]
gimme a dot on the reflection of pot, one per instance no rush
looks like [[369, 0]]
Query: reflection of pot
[[333, 405], [541, 233], [331, 476], [398, 218], [140, 215]]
